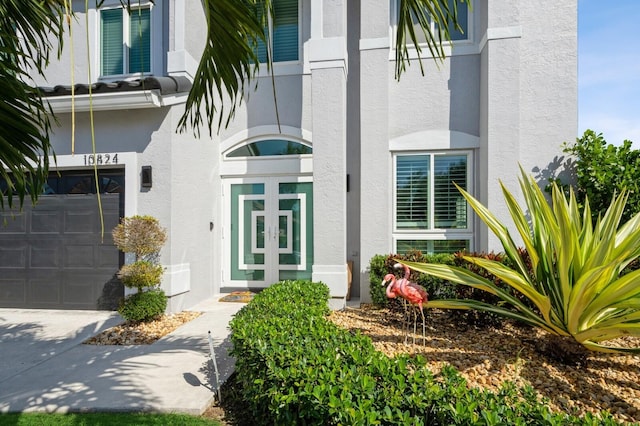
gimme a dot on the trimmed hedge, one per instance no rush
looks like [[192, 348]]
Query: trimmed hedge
[[293, 366], [143, 306]]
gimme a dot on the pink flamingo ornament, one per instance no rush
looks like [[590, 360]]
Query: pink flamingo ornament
[[393, 292], [410, 292], [416, 295]]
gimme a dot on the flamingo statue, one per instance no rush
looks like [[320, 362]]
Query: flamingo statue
[[393, 292], [411, 292], [392, 287]]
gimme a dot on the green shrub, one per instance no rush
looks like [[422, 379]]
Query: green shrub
[[603, 170], [380, 265], [143, 306], [293, 366], [141, 274]]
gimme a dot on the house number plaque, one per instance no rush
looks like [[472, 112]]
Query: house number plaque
[[100, 159]]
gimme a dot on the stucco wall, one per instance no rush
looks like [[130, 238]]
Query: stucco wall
[[514, 89], [529, 96], [194, 225]]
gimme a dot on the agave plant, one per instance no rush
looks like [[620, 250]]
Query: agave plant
[[575, 279]]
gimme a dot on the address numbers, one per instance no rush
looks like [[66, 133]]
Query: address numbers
[[100, 159]]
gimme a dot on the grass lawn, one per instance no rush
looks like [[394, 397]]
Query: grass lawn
[[95, 419]]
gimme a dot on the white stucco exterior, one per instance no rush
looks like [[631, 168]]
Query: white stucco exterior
[[506, 96]]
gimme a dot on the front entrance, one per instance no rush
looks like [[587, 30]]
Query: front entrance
[[268, 232]]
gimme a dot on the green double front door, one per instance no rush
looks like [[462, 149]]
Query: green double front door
[[269, 230]]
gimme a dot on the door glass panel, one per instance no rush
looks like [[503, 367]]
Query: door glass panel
[[247, 232], [284, 232], [295, 252], [258, 233]]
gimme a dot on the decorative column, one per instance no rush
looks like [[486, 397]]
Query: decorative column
[[375, 158], [327, 60], [499, 113]]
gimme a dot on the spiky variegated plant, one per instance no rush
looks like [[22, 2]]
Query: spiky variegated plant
[[575, 283]]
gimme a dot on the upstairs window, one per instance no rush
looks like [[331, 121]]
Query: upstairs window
[[283, 32], [454, 33], [125, 41]]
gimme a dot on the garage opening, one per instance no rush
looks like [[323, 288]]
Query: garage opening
[[53, 255]]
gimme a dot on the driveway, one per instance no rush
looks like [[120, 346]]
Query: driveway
[[45, 367]]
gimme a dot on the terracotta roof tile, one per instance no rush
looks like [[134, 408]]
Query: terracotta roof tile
[[166, 85]]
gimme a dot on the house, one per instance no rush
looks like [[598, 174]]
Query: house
[[354, 163]]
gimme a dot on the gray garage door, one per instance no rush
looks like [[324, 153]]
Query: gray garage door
[[53, 255]]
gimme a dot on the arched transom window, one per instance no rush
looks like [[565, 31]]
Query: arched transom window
[[270, 147]]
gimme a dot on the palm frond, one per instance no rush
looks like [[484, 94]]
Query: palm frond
[[229, 62], [27, 33], [424, 13]]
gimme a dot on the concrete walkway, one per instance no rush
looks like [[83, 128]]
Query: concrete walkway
[[45, 367]]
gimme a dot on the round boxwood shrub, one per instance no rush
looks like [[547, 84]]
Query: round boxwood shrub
[[141, 274], [143, 306], [141, 235]]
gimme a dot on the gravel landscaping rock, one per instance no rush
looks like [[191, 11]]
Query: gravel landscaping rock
[[142, 333], [490, 356]]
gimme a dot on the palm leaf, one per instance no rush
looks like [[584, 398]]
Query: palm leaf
[[24, 116], [423, 12], [228, 64]]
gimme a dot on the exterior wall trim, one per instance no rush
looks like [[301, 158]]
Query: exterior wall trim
[[126, 160], [330, 52], [374, 43], [434, 140], [181, 63], [262, 131], [500, 33]]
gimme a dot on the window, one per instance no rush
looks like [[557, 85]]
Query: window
[[125, 41], [454, 33], [432, 246], [430, 213], [270, 147], [282, 32]]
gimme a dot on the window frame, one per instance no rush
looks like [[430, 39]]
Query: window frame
[[452, 47], [229, 154], [156, 60], [270, 29], [432, 233]]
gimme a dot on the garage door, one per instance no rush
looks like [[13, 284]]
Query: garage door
[[53, 255]]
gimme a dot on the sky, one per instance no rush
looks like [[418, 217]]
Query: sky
[[609, 69]]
